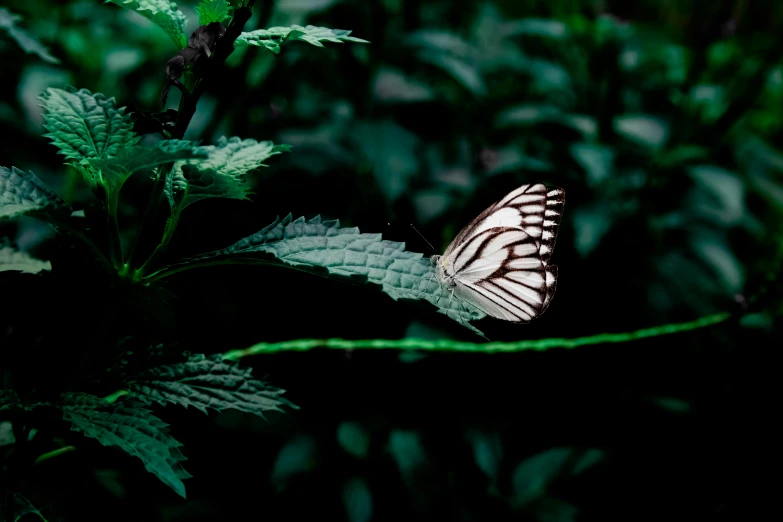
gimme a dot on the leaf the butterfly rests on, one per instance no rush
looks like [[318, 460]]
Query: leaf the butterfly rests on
[[500, 261]]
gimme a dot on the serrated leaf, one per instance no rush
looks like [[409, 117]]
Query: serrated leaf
[[212, 11], [222, 174], [162, 13], [207, 382], [323, 247], [84, 125], [133, 429], [274, 37], [23, 193], [113, 172], [28, 44], [12, 259]]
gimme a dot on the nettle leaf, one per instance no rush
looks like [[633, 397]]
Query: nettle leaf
[[207, 382], [222, 174], [84, 125], [113, 172], [213, 11], [12, 259], [324, 248], [28, 44], [23, 193], [274, 37], [133, 429], [162, 13]]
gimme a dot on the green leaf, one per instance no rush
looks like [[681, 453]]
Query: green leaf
[[28, 44], [23, 193], [540, 27], [324, 248], [84, 125], [532, 477], [391, 150], [596, 160], [274, 37], [488, 452], [212, 11], [297, 456], [644, 130], [162, 13], [408, 452], [353, 438], [207, 382], [112, 173], [131, 428], [222, 174], [11, 259], [357, 500]]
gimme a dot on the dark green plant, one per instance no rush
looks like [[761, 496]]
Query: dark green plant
[[664, 141], [103, 144]]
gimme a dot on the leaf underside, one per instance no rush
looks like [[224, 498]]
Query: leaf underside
[[162, 13], [212, 11], [221, 174], [133, 429], [324, 248], [274, 37], [28, 44], [207, 382], [23, 193], [12, 259], [113, 172]]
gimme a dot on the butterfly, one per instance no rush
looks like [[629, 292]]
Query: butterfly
[[500, 261]]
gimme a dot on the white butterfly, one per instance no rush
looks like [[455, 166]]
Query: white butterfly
[[499, 262]]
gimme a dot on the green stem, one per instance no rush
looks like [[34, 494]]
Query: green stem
[[168, 233], [444, 345], [150, 211], [54, 453], [116, 395], [169, 271], [114, 230]]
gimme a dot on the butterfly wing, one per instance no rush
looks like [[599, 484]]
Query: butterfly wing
[[500, 260]]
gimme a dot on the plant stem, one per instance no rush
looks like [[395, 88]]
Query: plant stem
[[114, 231], [445, 345], [169, 271], [168, 233], [55, 453], [187, 109]]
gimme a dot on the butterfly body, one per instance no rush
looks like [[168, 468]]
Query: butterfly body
[[500, 261]]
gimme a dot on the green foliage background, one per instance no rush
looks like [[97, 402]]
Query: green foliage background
[[661, 120]]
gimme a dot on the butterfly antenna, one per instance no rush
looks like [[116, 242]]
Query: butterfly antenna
[[425, 239]]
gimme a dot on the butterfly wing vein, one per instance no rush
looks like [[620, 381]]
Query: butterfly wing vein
[[500, 261]]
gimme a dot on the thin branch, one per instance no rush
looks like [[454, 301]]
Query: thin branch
[[445, 345]]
